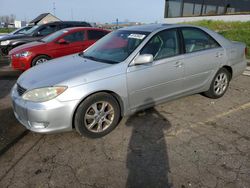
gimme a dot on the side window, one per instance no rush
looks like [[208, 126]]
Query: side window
[[162, 45], [95, 35], [47, 30], [197, 40], [74, 37]]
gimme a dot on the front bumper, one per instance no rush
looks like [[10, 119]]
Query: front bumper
[[48, 117], [22, 63]]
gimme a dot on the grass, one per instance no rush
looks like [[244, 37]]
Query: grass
[[236, 31], [6, 30]]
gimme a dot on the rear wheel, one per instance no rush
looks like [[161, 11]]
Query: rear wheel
[[97, 115], [219, 84], [39, 60]]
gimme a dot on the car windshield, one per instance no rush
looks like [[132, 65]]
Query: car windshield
[[32, 29], [116, 46], [22, 30], [53, 36]]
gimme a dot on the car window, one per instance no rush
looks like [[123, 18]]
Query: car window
[[162, 45], [75, 37], [197, 40], [95, 35], [47, 30], [22, 30], [115, 47]]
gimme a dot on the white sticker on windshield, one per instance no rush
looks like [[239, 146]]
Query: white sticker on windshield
[[137, 36]]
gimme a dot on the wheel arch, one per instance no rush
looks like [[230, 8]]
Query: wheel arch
[[115, 95], [38, 56], [229, 69]]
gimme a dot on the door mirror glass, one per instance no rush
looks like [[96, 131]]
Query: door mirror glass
[[143, 59], [38, 34], [62, 41]]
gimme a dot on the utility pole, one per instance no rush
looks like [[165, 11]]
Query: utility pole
[[72, 16], [54, 8], [117, 22]]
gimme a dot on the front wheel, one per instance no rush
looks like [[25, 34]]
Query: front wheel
[[39, 60], [219, 84], [97, 115]]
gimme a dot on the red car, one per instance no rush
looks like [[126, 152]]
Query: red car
[[64, 42]]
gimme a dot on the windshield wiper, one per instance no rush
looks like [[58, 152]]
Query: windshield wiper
[[100, 60], [81, 54]]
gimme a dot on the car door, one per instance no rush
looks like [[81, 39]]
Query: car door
[[74, 43], [46, 30], [203, 57], [160, 79]]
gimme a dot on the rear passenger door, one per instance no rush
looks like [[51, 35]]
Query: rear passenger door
[[203, 56]]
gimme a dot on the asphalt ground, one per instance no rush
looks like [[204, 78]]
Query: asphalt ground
[[190, 142]]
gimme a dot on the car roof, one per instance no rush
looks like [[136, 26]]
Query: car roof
[[84, 28], [155, 27], [66, 22]]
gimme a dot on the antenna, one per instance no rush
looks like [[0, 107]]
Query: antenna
[[54, 8]]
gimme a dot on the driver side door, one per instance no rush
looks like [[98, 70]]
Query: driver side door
[[74, 43], [163, 78]]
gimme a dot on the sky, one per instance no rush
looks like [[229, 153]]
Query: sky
[[101, 11]]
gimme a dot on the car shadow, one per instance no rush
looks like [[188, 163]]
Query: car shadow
[[147, 158]]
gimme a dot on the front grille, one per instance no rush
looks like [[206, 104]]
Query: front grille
[[20, 90]]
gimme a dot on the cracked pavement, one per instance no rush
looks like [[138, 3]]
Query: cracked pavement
[[190, 142]]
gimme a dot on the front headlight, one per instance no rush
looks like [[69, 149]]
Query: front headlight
[[43, 94], [4, 43], [23, 54]]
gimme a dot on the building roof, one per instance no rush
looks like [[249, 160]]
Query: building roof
[[40, 17]]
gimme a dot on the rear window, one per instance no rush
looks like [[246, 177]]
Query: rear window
[[95, 34], [197, 40]]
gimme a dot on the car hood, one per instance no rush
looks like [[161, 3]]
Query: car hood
[[27, 47], [69, 71], [12, 37], [2, 36]]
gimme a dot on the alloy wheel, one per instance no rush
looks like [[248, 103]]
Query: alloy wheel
[[99, 116], [220, 83]]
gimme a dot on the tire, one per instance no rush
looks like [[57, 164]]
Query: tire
[[39, 60], [97, 115], [219, 85], [5, 51]]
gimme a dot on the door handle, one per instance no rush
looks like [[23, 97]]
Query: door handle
[[178, 64]]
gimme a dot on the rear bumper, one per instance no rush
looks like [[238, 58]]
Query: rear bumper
[[239, 68], [47, 117]]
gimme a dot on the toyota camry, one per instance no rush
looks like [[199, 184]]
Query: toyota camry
[[127, 70]]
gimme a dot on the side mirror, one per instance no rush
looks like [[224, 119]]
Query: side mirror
[[144, 59], [62, 41], [38, 34]]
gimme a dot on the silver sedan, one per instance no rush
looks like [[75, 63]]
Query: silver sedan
[[128, 70]]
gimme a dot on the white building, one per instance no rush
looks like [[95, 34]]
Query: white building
[[19, 24]]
